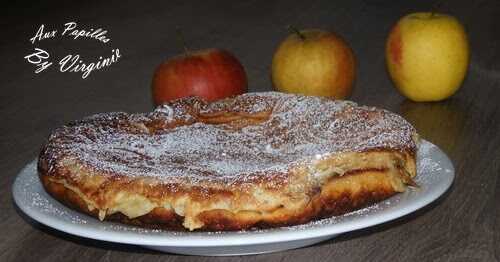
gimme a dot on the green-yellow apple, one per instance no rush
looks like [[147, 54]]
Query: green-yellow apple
[[427, 56], [314, 62]]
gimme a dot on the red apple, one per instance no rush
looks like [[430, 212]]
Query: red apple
[[211, 74]]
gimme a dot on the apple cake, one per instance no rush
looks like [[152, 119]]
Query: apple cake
[[257, 160]]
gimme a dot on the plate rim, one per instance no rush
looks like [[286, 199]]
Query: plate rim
[[239, 238]]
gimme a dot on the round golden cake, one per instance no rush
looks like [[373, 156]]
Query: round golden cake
[[257, 160]]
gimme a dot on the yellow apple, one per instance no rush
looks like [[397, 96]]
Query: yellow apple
[[314, 62], [427, 56]]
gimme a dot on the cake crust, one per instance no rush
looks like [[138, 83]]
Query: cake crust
[[254, 161]]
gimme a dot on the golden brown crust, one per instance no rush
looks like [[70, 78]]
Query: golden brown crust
[[339, 196], [301, 169]]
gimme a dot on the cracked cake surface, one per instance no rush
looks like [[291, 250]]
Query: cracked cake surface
[[255, 160]]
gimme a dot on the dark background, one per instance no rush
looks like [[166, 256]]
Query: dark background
[[464, 225]]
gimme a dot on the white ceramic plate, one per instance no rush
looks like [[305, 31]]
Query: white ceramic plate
[[435, 174]]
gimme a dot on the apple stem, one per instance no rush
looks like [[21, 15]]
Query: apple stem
[[293, 29], [182, 41], [434, 8]]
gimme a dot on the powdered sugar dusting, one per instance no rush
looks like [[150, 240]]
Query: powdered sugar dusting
[[37, 199], [426, 163], [171, 144], [30, 196]]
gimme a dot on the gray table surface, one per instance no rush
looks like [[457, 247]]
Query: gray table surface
[[464, 225]]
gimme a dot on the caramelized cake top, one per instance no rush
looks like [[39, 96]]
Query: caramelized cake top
[[228, 141]]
